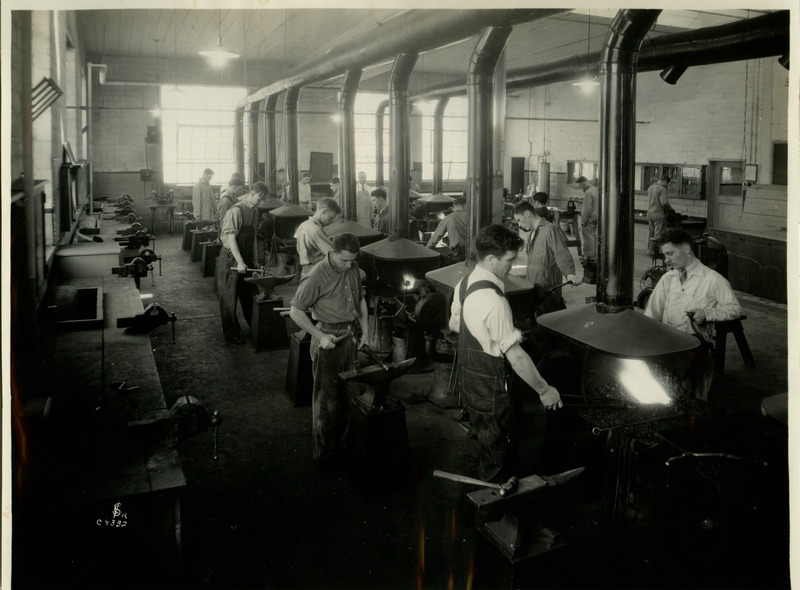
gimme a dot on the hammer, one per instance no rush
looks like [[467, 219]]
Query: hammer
[[504, 489]]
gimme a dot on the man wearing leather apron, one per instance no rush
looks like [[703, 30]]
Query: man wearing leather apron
[[487, 344]]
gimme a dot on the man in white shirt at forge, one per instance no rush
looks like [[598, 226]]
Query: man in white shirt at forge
[[692, 293]]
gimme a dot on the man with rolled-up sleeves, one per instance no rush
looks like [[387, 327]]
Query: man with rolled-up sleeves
[[333, 295]]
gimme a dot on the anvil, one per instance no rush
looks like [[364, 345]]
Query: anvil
[[377, 380], [266, 284]]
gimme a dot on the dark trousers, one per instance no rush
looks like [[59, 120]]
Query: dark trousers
[[231, 288]]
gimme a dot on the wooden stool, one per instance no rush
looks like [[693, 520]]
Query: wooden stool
[[721, 330]]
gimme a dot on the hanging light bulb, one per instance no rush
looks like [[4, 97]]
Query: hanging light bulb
[[218, 56], [588, 82]]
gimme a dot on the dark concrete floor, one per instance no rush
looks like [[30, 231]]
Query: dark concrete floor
[[264, 515]]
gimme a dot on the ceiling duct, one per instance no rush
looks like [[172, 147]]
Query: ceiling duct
[[411, 31]]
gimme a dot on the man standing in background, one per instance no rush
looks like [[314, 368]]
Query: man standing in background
[[203, 204], [657, 208]]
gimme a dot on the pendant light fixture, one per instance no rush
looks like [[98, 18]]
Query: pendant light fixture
[[588, 81], [218, 56]]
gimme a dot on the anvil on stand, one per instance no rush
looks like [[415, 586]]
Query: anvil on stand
[[378, 422], [267, 327], [522, 532]]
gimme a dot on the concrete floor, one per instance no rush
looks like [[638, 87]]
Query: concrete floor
[[264, 515]]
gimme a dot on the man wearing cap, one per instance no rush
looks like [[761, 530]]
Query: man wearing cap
[[454, 226], [657, 208], [202, 197], [588, 219], [304, 189], [380, 222], [312, 242], [335, 187], [238, 253], [333, 295]]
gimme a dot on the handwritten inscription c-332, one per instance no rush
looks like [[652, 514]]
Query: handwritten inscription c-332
[[119, 518]]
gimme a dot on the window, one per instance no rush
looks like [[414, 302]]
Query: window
[[686, 182], [578, 168], [364, 110], [454, 140], [197, 124]]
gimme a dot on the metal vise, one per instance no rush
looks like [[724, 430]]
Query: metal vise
[[135, 241], [135, 227], [136, 268], [153, 316]]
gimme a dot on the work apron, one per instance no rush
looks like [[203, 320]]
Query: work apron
[[231, 286], [489, 450]]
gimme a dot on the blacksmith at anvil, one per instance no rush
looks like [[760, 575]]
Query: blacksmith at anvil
[[487, 344], [334, 295]]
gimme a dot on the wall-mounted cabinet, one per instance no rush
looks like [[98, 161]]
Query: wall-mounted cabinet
[[686, 181]]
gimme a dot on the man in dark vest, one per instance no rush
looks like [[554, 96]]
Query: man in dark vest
[[238, 236], [487, 340]]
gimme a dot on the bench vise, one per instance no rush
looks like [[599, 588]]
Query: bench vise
[[135, 241], [136, 268], [153, 316]]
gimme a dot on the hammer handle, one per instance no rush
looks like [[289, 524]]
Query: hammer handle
[[465, 479]]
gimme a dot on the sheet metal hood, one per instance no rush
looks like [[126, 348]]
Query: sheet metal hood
[[449, 276], [611, 325]]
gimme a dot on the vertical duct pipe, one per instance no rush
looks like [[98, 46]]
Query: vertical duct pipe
[[270, 157], [499, 118], [238, 141], [347, 144], [543, 181], [400, 155], [290, 112], [438, 144], [617, 157], [480, 81], [253, 142], [379, 180]]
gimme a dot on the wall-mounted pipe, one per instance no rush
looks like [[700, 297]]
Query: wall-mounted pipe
[[253, 143], [412, 30], [438, 143], [347, 144], [238, 141], [290, 112], [400, 156], [480, 82], [270, 157], [379, 116]]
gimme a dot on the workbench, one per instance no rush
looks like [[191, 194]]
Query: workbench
[[100, 446]]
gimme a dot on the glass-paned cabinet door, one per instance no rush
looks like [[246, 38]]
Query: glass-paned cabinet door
[[650, 175], [578, 168], [674, 186], [693, 182]]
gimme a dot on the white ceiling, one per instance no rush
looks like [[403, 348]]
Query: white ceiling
[[281, 39]]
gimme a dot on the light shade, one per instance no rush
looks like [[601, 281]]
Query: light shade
[[587, 83], [218, 55]]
